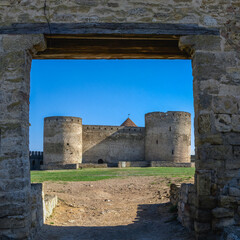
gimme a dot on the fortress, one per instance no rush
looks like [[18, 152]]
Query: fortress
[[164, 141]]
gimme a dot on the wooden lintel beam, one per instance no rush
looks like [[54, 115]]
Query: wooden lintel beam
[[60, 48]]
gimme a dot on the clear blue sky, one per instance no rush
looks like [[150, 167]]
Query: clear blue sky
[[104, 91]]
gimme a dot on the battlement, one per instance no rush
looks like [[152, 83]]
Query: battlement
[[112, 128], [63, 119], [169, 115], [35, 154]]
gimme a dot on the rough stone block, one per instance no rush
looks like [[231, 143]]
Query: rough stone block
[[211, 43], [11, 210], [209, 164], [191, 198], [223, 123], [203, 183], [200, 227], [203, 215], [225, 105], [232, 164], [222, 212], [218, 152], [220, 223], [231, 138], [10, 222], [204, 123], [227, 201], [236, 152], [233, 191], [236, 123], [212, 65], [229, 90], [206, 202]]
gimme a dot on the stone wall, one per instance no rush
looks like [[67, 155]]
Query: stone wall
[[15, 188], [62, 142], [216, 98], [50, 202], [216, 71], [36, 160], [168, 137], [170, 164], [123, 164], [42, 207], [174, 193], [176, 11], [37, 208], [112, 144]]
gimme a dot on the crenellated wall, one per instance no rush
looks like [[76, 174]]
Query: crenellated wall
[[112, 144]]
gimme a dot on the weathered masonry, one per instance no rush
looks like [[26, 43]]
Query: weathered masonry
[[165, 141], [205, 31]]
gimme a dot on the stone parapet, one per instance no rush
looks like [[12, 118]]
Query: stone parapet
[[59, 166], [174, 193], [170, 164], [123, 164], [37, 208], [92, 165], [50, 202]]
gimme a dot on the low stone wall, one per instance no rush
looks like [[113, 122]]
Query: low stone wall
[[174, 193], [123, 164], [92, 165], [170, 164], [231, 233], [59, 167], [50, 202], [41, 207], [186, 205], [37, 217], [228, 211]]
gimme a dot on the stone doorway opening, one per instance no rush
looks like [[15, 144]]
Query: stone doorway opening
[[131, 79], [215, 67], [145, 208], [100, 161]]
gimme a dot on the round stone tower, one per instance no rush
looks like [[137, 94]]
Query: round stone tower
[[168, 137], [62, 142]]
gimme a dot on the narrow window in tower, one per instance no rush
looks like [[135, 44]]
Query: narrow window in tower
[[172, 152], [157, 142], [170, 129]]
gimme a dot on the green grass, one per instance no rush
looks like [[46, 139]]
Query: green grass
[[95, 174]]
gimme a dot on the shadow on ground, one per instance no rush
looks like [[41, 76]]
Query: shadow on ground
[[153, 222]]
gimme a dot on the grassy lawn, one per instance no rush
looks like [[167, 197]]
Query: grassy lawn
[[95, 174]]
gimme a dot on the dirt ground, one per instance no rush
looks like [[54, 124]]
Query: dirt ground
[[133, 208]]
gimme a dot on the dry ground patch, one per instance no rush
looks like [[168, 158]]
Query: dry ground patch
[[125, 208]]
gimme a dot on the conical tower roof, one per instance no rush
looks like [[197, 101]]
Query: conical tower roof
[[128, 123]]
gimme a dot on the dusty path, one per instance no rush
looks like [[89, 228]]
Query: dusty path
[[134, 208]]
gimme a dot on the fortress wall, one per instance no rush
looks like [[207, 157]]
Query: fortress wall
[[168, 137], [62, 140], [112, 144]]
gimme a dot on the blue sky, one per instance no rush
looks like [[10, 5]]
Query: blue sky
[[104, 92]]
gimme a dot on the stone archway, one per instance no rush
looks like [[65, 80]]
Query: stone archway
[[216, 90]]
